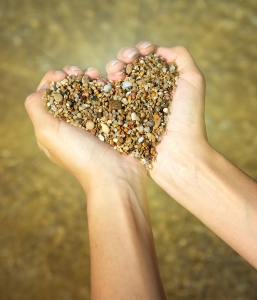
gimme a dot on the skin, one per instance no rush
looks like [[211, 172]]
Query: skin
[[187, 168]]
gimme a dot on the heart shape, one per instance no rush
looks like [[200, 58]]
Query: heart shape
[[130, 115]]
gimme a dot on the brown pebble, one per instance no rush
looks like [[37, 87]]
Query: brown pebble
[[85, 79], [157, 122], [58, 97], [115, 104], [129, 68]]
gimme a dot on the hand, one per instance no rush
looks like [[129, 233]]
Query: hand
[[121, 240], [186, 141], [202, 180], [74, 149]]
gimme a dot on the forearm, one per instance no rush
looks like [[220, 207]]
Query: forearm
[[123, 259], [220, 195]]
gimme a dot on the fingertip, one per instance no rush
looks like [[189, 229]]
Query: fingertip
[[116, 76], [92, 73], [114, 66], [128, 54], [72, 70], [30, 99], [145, 47], [52, 75]]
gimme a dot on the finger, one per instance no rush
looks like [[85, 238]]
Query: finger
[[92, 73], [145, 48], [101, 81], [128, 54], [73, 70], [116, 76], [180, 55], [114, 66], [37, 112], [52, 75]]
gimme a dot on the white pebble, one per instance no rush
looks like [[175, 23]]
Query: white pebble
[[140, 128], [90, 125], [143, 161], [134, 117], [140, 140], [126, 84], [124, 101], [115, 140], [107, 88], [172, 68], [101, 138], [105, 128], [165, 110]]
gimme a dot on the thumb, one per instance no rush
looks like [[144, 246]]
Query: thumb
[[41, 119]]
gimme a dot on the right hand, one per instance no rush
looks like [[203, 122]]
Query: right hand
[[186, 140]]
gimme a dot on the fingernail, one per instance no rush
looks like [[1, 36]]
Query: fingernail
[[74, 68], [129, 53], [145, 45], [44, 86], [91, 69], [114, 62], [118, 74], [58, 72]]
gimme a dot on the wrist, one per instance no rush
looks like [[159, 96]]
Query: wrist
[[182, 169], [115, 177]]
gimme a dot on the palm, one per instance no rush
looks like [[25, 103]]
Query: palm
[[186, 121], [88, 152]]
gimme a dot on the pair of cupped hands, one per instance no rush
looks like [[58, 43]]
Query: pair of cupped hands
[[91, 161]]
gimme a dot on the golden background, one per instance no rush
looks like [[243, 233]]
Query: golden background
[[44, 251]]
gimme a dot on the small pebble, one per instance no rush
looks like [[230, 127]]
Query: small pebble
[[115, 104], [85, 79], [107, 88], [105, 128], [126, 84], [140, 140], [101, 138], [150, 123], [172, 68], [58, 97], [134, 117], [129, 68], [90, 125], [166, 110]]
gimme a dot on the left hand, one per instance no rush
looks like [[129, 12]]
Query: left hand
[[74, 149]]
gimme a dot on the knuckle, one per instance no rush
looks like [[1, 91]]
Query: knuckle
[[181, 49], [198, 76], [42, 135], [29, 99], [49, 72]]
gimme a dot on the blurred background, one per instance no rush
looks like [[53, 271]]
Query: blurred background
[[44, 252]]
